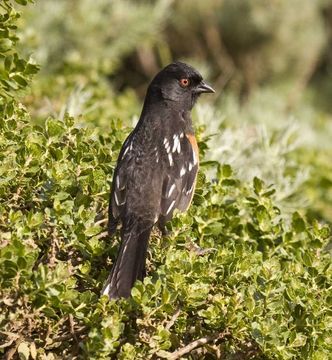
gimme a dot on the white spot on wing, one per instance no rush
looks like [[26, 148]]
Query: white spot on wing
[[118, 184], [181, 135], [167, 145], [126, 150], [170, 207], [124, 249], [117, 200], [171, 190], [182, 171], [176, 144], [190, 166], [170, 159], [157, 154]]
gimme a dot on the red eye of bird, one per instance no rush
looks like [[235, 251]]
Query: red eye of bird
[[184, 82]]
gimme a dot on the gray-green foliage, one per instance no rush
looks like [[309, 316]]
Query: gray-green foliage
[[268, 26], [249, 42], [242, 42], [99, 41], [286, 149], [259, 149]]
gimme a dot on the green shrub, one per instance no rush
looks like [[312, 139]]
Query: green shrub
[[261, 287], [256, 284], [15, 71]]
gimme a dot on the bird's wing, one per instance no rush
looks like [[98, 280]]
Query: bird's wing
[[120, 179], [179, 182]]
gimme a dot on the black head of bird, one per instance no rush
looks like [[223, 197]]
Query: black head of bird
[[180, 84]]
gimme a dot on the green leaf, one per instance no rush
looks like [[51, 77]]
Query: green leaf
[[54, 127], [307, 259], [20, 80], [85, 268], [31, 69], [215, 228], [92, 231], [299, 341], [298, 223], [21, 263], [22, 2], [136, 294], [258, 185], [5, 45], [226, 171], [8, 62]]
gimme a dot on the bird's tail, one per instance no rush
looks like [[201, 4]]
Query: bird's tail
[[130, 262]]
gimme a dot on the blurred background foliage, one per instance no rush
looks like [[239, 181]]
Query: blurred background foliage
[[263, 199]]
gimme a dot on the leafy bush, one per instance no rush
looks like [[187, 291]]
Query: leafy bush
[[15, 71], [236, 279], [256, 285]]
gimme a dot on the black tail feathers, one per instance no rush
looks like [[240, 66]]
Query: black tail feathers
[[130, 262]]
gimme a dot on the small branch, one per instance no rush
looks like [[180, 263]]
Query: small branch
[[173, 318], [72, 327], [53, 250], [11, 352], [191, 246], [101, 221], [197, 343], [70, 336], [101, 235]]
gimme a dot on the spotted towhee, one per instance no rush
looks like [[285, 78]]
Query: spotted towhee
[[156, 171]]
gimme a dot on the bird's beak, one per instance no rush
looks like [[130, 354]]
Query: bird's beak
[[204, 88]]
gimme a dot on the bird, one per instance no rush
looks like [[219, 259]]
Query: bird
[[155, 172]]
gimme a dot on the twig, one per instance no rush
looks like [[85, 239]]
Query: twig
[[101, 235], [173, 318], [191, 246], [70, 336], [101, 221], [72, 327], [197, 343], [11, 352], [54, 246]]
